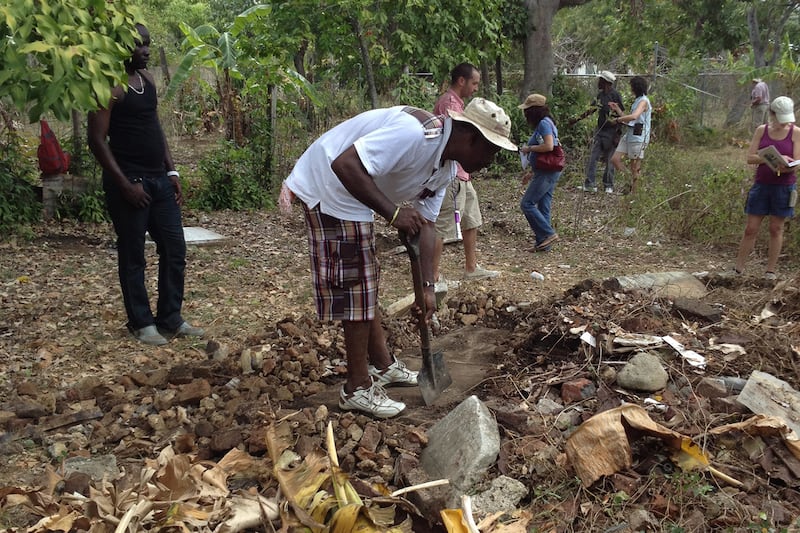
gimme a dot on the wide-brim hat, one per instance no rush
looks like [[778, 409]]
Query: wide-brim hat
[[533, 100], [490, 119], [607, 76], [783, 107]]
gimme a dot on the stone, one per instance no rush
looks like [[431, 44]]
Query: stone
[[711, 388], [577, 390], [192, 393], [222, 441], [97, 467], [463, 445], [693, 308], [546, 406], [644, 372], [371, 437], [503, 495]]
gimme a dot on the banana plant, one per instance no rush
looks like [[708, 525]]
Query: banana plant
[[239, 71]]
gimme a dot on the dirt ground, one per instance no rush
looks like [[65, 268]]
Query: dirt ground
[[512, 341]]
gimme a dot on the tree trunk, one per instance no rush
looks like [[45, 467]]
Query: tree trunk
[[77, 138], [538, 47], [164, 65], [498, 74], [362, 46]]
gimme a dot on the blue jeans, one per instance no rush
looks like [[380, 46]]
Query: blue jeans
[[162, 219], [535, 203], [602, 150]]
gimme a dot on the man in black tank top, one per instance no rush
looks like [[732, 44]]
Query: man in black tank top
[[143, 194]]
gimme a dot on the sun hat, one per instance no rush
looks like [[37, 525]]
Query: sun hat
[[783, 107], [608, 76], [490, 119], [757, 80], [533, 100]]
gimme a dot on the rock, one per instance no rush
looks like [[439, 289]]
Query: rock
[[577, 390], [370, 438], [503, 495], [192, 393], [96, 467], [180, 375], [711, 388], [290, 329], [693, 308], [469, 319], [26, 388], [463, 445], [204, 428], [222, 441], [546, 406], [31, 409], [643, 372], [77, 483]]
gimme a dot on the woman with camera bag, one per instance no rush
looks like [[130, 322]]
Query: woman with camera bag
[[637, 134], [546, 160]]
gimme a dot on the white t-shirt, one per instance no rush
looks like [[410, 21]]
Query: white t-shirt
[[395, 150]]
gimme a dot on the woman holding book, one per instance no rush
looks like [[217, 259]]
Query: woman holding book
[[774, 191]]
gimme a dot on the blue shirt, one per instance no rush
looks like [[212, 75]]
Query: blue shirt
[[546, 127]]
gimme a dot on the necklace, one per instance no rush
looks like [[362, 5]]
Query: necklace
[[141, 85]]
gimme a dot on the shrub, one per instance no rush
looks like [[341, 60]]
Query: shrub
[[19, 204], [693, 198], [231, 179]]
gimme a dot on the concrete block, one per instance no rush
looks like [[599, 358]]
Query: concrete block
[[462, 445]]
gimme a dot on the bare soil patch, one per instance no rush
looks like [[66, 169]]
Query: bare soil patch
[[512, 341]]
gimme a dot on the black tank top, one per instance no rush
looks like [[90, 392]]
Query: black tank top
[[134, 133]]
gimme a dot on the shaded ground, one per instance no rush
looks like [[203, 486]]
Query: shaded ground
[[511, 341]]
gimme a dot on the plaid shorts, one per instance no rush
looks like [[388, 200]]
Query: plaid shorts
[[344, 268]]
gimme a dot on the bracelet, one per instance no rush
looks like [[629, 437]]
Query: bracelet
[[426, 284], [173, 173], [394, 217]]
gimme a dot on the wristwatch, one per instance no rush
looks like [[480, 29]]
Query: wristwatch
[[426, 284]]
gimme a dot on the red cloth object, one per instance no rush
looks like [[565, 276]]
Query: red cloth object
[[52, 159]]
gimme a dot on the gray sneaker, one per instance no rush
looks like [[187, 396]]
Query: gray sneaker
[[372, 401], [185, 330], [481, 273], [149, 335], [397, 374]]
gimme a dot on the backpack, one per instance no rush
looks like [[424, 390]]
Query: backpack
[[52, 159]]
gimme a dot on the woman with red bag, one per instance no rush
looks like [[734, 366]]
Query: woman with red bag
[[545, 157]]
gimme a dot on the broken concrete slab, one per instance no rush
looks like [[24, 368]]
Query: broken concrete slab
[[462, 445], [764, 394], [665, 284], [694, 308], [197, 236]]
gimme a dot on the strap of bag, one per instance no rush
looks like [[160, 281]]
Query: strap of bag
[[432, 125]]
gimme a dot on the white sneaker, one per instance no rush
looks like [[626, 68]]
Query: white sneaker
[[395, 374], [587, 189], [372, 401], [481, 273], [609, 190]]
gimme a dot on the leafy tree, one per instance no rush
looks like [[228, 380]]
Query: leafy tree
[[245, 60], [60, 55]]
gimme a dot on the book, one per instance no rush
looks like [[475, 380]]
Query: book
[[774, 159]]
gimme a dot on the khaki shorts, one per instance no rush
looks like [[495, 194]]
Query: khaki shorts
[[466, 200], [634, 150]]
